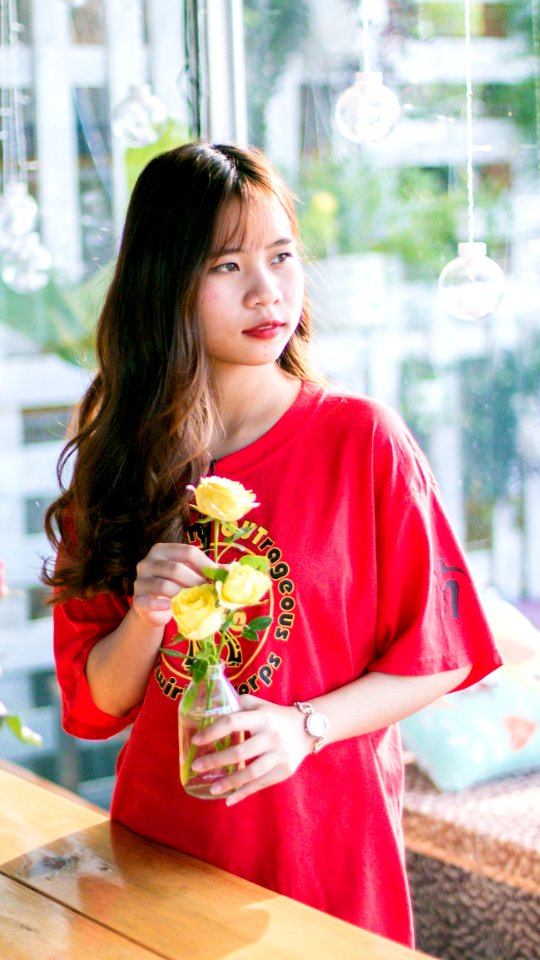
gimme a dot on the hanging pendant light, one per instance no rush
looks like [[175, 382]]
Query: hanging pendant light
[[472, 285], [368, 110], [25, 261], [26, 265], [140, 118], [18, 213]]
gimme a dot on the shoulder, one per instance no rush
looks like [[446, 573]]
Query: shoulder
[[375, 430], [350, 410]]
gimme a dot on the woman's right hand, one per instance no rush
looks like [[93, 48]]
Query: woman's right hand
[[166, 569]]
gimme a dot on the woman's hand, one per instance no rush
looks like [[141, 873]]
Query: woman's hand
[[276, 745], [166, 569]]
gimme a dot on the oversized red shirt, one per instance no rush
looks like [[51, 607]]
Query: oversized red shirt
[[367, 575]]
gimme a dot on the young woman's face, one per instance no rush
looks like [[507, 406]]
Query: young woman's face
[[252, 290]]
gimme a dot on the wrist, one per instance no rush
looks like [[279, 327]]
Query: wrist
[[316, 725]]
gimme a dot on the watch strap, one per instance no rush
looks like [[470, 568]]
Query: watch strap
[[306, 709]]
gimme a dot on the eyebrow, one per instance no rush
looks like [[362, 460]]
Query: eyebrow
[[282, 242]]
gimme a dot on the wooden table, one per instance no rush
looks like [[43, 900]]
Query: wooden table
[[75, 885]]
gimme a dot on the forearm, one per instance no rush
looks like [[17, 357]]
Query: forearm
[[119, 665], [377, 699], [278, 743]]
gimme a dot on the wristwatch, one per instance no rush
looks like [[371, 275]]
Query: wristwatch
[[316, 724]]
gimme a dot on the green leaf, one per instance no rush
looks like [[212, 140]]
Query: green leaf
[[250, 634], [215, 573], [188, 698], [199, 671], [173, 653], [241, 532], [227, 623], [258, 563], [260, 623], [23, 733]]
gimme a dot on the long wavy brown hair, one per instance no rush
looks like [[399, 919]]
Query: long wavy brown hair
[[144, 424]]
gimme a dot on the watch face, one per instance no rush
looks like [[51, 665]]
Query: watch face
[[317, 724]]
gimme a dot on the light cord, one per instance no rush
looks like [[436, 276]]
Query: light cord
[[366, 51], [536, 54], [5, 105], [469, 106]]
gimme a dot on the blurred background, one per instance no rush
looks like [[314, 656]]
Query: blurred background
[[405, 128]]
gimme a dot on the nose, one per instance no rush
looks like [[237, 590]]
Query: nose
[[264, 289]]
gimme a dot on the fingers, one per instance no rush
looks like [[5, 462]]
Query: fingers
[[272, 751], [168, 567]]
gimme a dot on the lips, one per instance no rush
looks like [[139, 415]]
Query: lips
[[265, 326]]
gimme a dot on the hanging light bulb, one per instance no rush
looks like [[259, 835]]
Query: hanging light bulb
[[367, 111], [25, 266], [472, 285], [25, 261], [18, 213], [140, 118]]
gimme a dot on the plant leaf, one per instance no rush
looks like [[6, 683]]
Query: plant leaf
[[23, 733], [258, 563], [215, 573], [241, 532], [173, 653], [188, 698], [260, 623], [250, 634], [200, 669]]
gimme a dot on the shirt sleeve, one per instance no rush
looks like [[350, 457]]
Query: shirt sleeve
[[429, 615], [78, 625]]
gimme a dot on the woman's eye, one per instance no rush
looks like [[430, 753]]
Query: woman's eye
[[225, 267], [282, 257]]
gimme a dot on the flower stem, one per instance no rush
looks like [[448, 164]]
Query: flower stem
[[215, 525]]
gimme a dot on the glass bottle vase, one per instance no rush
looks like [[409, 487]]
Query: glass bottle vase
[[201, 705]]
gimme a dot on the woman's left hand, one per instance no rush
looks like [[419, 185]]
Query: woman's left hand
[[276, 745]]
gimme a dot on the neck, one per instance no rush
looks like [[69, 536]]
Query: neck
[[249, 401]]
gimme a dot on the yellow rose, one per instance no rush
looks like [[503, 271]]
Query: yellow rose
[[196, 612], [223, 499], [243, 587]]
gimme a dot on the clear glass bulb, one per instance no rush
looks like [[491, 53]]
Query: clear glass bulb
[[471, 286], [18, 213], [140, 118], [25, 266], [367, 111]]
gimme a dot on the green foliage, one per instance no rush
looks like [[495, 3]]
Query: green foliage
[[414, 213], [273, 31], [341, 205], [489, 425], [53, 318], [18, 729], [136, 158]]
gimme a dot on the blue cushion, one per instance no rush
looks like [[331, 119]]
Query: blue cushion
[[486, 731]]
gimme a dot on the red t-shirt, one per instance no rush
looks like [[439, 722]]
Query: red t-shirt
[[367, 575]]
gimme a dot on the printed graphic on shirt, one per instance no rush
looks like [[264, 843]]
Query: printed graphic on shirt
[[451, 586], [243, 657]]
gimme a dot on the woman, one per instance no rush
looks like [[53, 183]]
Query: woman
[[202, 367]]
